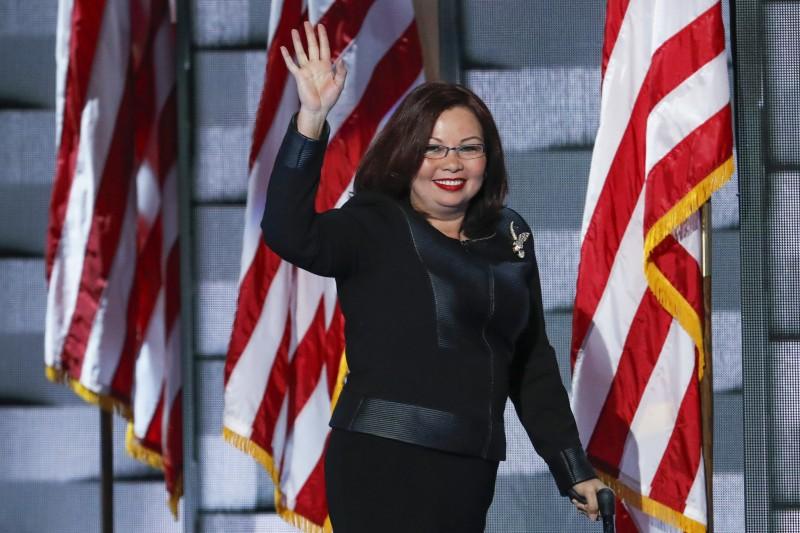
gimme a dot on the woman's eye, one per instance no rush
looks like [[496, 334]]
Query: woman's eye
[[433, 149], [470, 148]]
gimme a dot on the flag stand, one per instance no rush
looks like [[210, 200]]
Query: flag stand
[[106, 471], [707, 383]]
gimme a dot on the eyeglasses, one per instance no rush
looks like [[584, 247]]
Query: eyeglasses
[[465, 151]]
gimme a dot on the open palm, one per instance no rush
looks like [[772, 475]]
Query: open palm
[[319, 84]]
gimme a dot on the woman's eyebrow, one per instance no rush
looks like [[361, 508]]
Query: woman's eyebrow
[[462, 140]]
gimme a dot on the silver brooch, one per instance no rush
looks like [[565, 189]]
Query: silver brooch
[[519, 241]]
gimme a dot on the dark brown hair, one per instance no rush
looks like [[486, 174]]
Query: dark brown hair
[[396, 154]]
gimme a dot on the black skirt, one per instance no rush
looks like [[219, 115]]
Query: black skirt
[[377, 484]]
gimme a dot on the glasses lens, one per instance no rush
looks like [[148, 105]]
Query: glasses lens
[[470, 151], [435, 151]]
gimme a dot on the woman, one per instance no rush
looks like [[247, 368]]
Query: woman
[[440, 291]]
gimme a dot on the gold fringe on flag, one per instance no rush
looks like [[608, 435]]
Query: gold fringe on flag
[[265, 459], [106, 402], [657, 510], [154, 459], [666, 294]]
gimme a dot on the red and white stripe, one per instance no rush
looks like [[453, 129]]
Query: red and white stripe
[[664, 144], [112, 250], [287, 341]]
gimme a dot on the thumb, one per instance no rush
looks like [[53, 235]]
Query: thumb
[[341, 72]]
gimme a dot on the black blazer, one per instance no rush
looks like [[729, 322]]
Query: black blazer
[[439, 332]]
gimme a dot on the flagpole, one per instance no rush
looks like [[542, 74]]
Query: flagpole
[[106, 471], [707, 383]]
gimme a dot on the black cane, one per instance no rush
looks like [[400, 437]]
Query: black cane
[[605, 503]]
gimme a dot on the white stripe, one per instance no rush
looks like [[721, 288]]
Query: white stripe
[[149, 372], [307, 440], [163, 57], [645, 27], [654, 421], [63, 33], [599, 356], [279, 434], [97, 125], [248, 379], [696, 508], [686, 108], [385, 22], [317, 8], [107, 336], [275, 12], [148, 195]]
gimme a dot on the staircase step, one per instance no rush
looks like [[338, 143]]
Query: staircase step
[[75, 507], [60, 444]]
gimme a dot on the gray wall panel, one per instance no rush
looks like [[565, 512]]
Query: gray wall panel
[[547, 95], [60, 444], [218, 248], [235, 23], [27, 147], [784, 252], [501, 36], [22, 288], [784, 457], [782, 83], [227, 90], [22, 379], [75, 508]]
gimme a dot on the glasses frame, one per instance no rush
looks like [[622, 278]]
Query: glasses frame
[[457, 150]]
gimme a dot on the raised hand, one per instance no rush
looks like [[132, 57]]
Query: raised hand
[[319, 81]]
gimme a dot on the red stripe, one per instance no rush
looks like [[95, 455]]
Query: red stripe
[[343, 21], [675, 61], [252, 294], [676, 472], [173, 455], [165, 155], [311, 502], [276, 75], [615, 14], [275, 391], [392, 77], [85, 25], [104, 235], [305, 368], [152, 437], [687, 164], [682, 270], [144, 291], [643, 345]]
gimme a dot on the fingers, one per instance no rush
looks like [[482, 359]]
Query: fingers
[[299, 53], [311, 39], [287, 58], [324, 46]]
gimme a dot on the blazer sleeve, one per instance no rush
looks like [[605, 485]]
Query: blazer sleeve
[[322, 243], [539, 396]]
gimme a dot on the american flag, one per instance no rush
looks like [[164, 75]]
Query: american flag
[[285, 360], [112, 266], [663, 146]]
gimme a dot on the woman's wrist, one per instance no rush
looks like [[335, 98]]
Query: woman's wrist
[[310, 124]]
